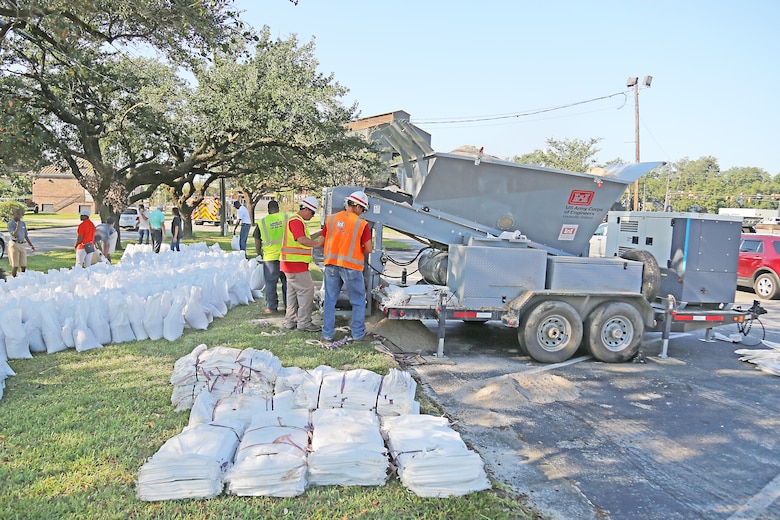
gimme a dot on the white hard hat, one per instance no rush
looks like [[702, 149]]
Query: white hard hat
[[311, 203], [84, 212], [359, 198]]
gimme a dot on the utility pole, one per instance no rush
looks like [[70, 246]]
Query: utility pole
[[634, 82], [636, 141]]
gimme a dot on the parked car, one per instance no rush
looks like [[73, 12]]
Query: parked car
[[598, 242], [129, 219], [759, 264]]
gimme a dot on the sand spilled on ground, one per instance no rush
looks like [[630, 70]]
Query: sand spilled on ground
[[512, 390]]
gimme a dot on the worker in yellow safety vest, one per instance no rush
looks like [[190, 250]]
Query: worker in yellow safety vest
[[295, 259], [347, 241], [268, 235]]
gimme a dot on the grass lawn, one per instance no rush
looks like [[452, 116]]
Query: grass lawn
[[41, 220], [76, 427]]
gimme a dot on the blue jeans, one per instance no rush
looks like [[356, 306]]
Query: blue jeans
[[141, 233], [242, 236], [272, 275], [175, 243], [335, 277]]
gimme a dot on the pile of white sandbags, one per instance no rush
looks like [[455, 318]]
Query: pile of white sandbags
[[283, 448], [347, 449], [271, 459], [432, 459], [145, 295], [191, 464], [223, 371]]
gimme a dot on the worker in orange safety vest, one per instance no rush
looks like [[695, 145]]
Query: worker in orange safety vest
[[347, 241]]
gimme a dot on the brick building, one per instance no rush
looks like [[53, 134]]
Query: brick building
[[56, 190]]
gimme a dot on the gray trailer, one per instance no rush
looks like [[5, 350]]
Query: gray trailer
[[505, 241]]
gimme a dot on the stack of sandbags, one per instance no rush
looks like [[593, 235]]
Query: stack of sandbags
[[224, 371], [191, 464], [347, 449], [354, 389], [396, 394], [271, 459], [432, 459], [304, 385]]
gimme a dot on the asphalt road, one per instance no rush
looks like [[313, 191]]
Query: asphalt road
[[642, 440]]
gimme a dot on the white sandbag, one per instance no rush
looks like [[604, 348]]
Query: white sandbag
[[153, 317], [31, 317], [173, 324], [354, 389], [3, 353], [347, 449], [202, 408], [83, 338], [432, 459], [396, 395], [51, 330], [189, 465], [135, 315], [68, 328], [17, 345], [121, 330], [241, 408], [194, 314], [97, 319], [235, 243], [271, 459], [257, 280]]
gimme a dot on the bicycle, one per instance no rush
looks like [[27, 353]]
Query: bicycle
[[752, 327]]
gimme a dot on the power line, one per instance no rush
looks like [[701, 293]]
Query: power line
[[525, 113]]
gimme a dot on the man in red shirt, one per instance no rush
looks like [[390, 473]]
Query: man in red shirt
[[85, 241], [294, 262]]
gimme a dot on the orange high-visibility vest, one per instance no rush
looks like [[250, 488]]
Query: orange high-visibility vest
[[292, 251], [342, 244]]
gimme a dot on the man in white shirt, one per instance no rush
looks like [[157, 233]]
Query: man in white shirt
[[245, 221], [143, 224]]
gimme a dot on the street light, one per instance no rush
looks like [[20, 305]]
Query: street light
[[634, 82]]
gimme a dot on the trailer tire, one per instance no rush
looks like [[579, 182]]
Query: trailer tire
[[551, 332], [651, 273], [613, 332]]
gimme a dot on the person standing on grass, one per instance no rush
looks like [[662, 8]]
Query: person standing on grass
[[295, 259], [268, 236], [157, 227], [85, 240], [17, 253], [143, 224], [347, 241], [105, 238], [176, 230], [245, 221]]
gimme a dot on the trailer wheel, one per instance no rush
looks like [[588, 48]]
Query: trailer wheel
[[551, 332], [651, 273], [613, 332]]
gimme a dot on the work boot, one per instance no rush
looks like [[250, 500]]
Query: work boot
[[310, 328]]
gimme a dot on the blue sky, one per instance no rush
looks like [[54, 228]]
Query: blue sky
[[715, 67]]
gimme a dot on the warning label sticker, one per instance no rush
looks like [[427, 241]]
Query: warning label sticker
[[568, 232]]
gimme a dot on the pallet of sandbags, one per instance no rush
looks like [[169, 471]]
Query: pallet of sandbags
[[190, 464], [347, 449], [271, 459], [432, 459]]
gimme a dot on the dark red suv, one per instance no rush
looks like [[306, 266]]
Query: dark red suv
[[759, 264]]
